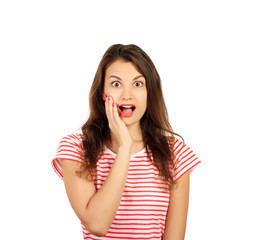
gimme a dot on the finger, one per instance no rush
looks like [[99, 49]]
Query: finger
[[106, 106], [116, 113], [110, 102], [109, 110]]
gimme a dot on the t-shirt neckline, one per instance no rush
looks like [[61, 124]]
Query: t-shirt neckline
[[132, 155]]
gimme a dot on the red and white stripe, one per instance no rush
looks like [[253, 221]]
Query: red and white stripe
[[144, 203]]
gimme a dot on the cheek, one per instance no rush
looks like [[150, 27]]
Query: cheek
[[113, 94], [108, 90], [144, 98]]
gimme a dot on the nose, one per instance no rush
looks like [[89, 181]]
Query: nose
[[126, 94]]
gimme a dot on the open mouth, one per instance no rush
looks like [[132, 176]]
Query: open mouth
[[127, 109]]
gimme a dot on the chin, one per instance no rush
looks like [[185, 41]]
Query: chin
[[129, 122]]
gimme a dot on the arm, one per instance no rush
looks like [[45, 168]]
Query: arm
[[175, 226], [96, 210]]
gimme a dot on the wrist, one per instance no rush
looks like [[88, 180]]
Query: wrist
[[125, 148]]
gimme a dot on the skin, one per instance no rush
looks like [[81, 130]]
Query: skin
[[96, 209], [125, 85], [175, 226]]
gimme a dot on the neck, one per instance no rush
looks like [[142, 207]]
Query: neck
[[135, 133]]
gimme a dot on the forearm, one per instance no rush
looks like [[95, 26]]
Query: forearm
[[175, 226], [103, 205]]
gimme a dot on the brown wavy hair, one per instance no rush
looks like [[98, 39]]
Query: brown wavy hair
[[156, 130]]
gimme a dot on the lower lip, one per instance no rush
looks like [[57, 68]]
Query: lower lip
[[122, 114]]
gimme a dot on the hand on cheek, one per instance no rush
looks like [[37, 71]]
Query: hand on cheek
[[116, 125], [108, 97]]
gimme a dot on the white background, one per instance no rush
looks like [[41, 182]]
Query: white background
[[204, 52]]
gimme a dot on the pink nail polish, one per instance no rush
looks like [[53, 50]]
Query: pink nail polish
[[113, 104]]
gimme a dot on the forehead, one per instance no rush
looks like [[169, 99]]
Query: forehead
[[122, 69]]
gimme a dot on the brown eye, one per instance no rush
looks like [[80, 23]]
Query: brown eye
[[115, 84], [138, 84]]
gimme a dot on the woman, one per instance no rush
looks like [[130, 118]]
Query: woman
[[127, 161]]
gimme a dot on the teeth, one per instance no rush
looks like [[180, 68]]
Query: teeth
[[126, 106]]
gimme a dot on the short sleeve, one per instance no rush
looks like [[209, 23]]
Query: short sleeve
[[70, 148], [184, 160]]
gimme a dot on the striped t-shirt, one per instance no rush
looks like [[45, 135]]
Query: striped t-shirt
[[144, 203]]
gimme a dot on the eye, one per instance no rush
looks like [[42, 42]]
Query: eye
[[115, 84], [138, 84]]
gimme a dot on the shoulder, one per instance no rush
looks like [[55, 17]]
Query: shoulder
[[74, 137], [70, 148], [73, 140], [173, 141], [176, 144]]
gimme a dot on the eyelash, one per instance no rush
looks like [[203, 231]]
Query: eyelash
[[134, 83]]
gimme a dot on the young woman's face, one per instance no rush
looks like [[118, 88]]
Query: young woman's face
[[126, 86]]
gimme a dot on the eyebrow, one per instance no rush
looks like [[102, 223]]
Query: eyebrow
[[114, 76]]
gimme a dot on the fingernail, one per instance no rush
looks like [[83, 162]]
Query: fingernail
[[113, 104], [106, 95], [109, 97]]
